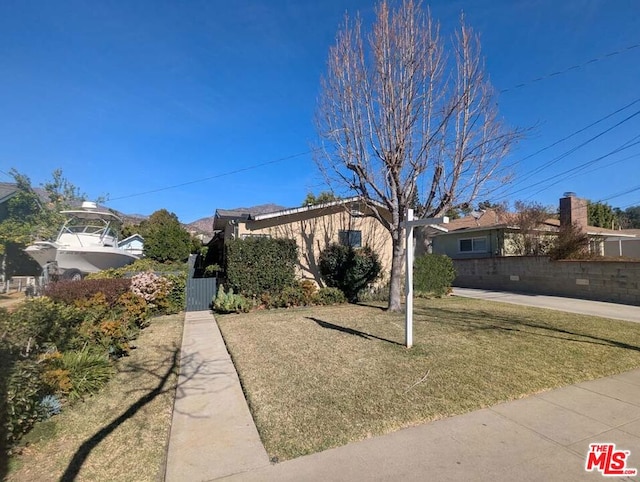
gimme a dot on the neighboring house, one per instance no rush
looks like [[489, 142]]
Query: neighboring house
[[347, 221], [134, 244], [7, 191], [492, 233]]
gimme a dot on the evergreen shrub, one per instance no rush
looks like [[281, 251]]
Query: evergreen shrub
[[254, 266], [349, 269], [433, 275]]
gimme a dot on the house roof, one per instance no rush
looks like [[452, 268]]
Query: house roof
[[222, 216], [7, 191], [131, 238], [498, 219], [313, 207]]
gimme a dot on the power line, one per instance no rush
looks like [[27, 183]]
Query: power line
[[228, 173], [573, 67], [565, 154], [559, 141], [579, 167], [622, 193]]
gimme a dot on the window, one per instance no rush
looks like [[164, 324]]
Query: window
[[350, 238], [473, 245]]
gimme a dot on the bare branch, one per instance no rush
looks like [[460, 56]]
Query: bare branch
[[401, 121]]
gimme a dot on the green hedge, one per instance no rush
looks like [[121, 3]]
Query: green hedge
[[433, 274], [254, 266]]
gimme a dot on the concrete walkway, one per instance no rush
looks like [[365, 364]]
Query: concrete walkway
[[542, 437], [212, 431], [572, 305]]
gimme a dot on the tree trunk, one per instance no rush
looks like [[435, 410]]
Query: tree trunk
[[395, 283]]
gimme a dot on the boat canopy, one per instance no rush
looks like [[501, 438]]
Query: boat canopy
[[81, 214]]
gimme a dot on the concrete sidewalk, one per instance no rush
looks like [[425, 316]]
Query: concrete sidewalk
[[542, 437], [572, 305], [212, 431]]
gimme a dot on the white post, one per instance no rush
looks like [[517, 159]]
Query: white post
[[409, 224], [408, 289]]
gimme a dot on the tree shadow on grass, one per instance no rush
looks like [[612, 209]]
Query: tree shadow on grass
[[163, 386], [490, 321], [371, 305], [350, 331]]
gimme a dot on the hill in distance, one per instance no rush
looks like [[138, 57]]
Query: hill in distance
[[205, 225]]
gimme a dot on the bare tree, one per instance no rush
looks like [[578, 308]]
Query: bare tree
[[400, 120], [532, 237]]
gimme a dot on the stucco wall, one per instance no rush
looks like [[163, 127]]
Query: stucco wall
[[313, 234], [597, 280]]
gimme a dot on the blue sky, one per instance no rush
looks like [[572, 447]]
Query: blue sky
[[130, 97]]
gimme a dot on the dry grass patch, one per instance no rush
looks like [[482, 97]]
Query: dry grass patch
[[321, 377], [11, 300], [122, 432]]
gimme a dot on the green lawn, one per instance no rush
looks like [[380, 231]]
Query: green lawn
[[321, 377]]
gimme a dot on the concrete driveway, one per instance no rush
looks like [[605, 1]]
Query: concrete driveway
[[571, 305]]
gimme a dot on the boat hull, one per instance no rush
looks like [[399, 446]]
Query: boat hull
[[87, 259]]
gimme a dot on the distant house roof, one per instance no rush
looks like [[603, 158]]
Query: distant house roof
[[7, 191], [498, 219], [131, 238]]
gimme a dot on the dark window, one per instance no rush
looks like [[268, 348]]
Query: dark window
[[473, 245], [350, 238], [466, 245]]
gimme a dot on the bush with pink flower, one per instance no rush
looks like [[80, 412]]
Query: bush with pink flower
[[151, 287]]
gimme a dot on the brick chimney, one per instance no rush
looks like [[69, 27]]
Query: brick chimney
[[573, 210]]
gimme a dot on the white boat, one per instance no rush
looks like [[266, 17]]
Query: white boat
[[86, 243]]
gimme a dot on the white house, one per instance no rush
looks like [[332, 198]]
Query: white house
[[134, 244]]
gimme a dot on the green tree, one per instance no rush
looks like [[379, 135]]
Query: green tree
[[30, 215], [322, 198], [165, 239], [632, 217], [602, 215]]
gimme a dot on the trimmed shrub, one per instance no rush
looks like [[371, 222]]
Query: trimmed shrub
[[134, 310], [70, 291], [349, 269], [175, 300], [40, 321], [433, 275], [230, 302], [24, 391], [139, 266], [329, 296], [254, 266]]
